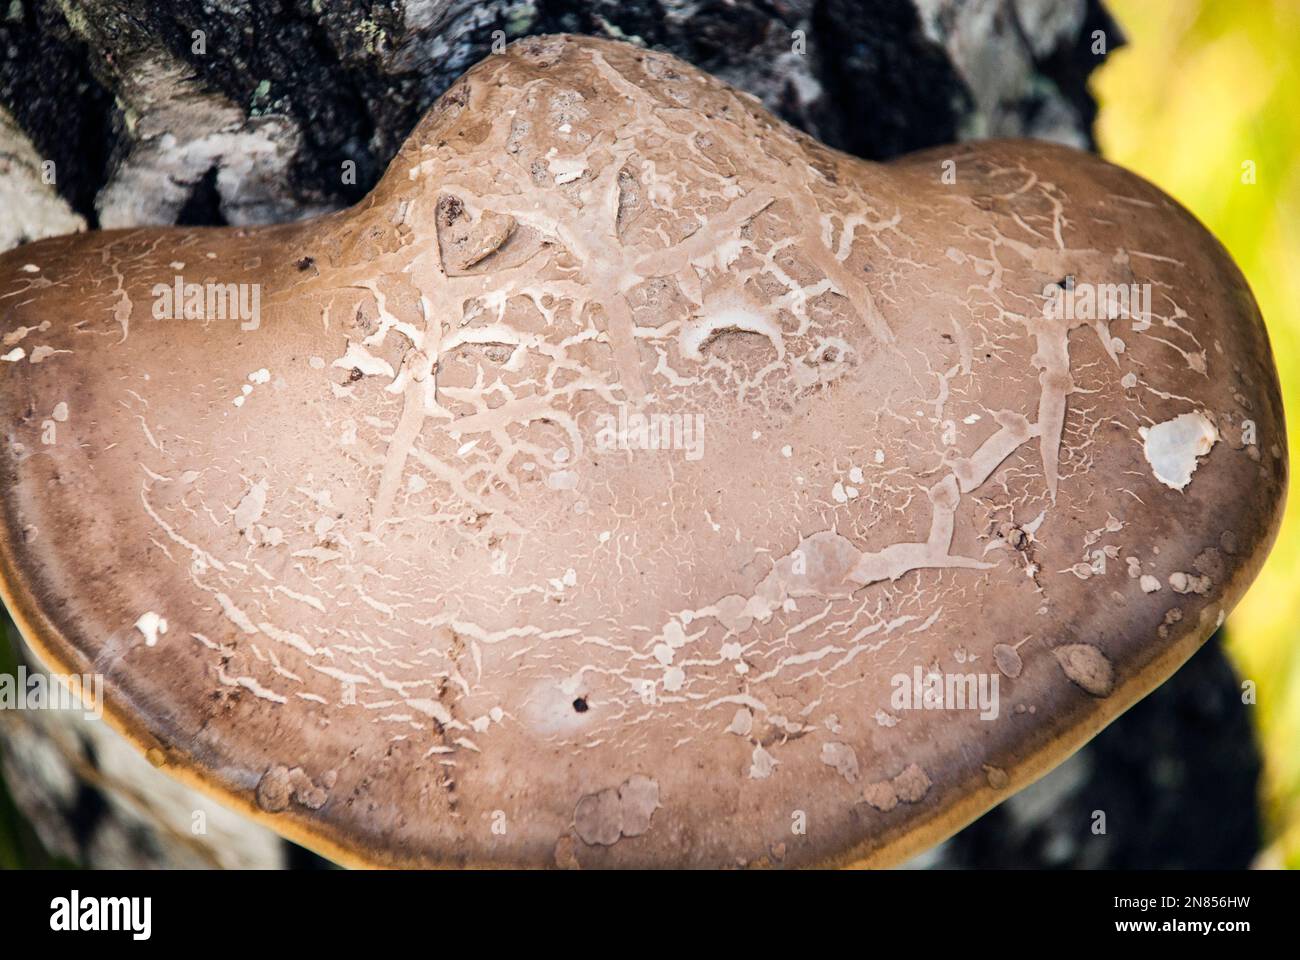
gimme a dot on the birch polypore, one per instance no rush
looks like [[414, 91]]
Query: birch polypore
[[632, 480]]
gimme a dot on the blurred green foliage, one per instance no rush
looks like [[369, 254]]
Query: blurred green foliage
[[1205, 94]]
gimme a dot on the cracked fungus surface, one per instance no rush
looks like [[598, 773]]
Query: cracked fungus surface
[[368, 566]]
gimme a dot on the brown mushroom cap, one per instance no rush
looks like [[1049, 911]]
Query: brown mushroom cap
[[393, 567]]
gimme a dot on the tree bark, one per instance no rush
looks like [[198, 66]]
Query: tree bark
[[247, 111]]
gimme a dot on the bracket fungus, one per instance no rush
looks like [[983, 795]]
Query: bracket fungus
[[631, 480]]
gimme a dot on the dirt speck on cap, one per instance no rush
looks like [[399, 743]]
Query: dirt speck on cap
[[603, 818], [997, 777], [282, 785], [843, 758], [1087, 666], [1008, 660], [909, 786]]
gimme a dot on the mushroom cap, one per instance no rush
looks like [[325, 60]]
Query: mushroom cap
[[631, 480]]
